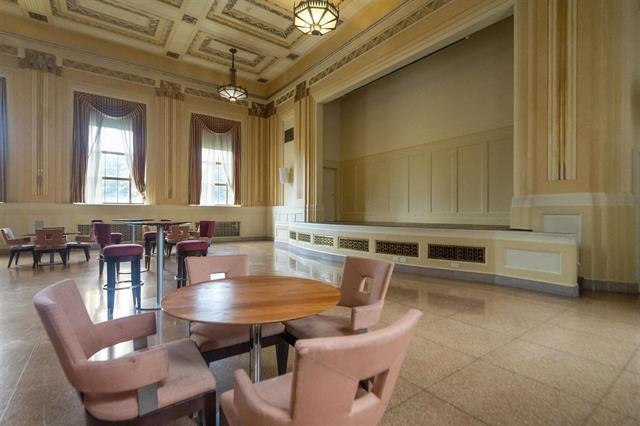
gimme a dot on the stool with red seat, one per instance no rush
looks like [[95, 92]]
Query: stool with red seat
[[104, 238], [115, 254], [149, 245], [185, 249]]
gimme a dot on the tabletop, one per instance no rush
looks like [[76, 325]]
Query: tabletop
[[132, 220], [253, 299], [152, 222]]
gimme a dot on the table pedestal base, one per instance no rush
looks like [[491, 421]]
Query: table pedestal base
[[255, 343]]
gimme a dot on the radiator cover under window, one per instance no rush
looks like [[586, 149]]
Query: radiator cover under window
[[397, 248], [456, 253], [357, 244]]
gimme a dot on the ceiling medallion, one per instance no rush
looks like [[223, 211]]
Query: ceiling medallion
[[231, 91], [315, 17]]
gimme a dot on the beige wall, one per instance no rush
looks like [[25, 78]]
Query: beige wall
[[431, 142]]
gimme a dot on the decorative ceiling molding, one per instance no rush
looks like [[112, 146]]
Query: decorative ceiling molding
[[171, 90], [8, 50], [262, 110], [206, 47], [39, 61], [283, 98], [174, 3], [155, 32], [231, 10], [385, 35], [211, 95], [83, 66], [301, 91]]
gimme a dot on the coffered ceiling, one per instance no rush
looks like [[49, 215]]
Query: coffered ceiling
[[195, 31]]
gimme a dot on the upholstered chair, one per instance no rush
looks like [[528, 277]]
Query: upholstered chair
[[176, 234], [363, 289], [205, 231], [324, 386], [147, 386], [218, 341], [16, 245], [104, 238], [50, 240]]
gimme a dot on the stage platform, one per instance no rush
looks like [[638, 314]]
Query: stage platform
[[498, 255]]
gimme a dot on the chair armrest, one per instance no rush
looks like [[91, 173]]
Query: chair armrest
[[194, 233], [363, 317], [18, 241], [251, 407], [130, 372], [125, 329]]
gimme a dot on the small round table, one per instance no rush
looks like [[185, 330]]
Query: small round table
[[251, 300], [159, 224]]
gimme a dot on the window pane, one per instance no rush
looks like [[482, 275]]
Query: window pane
[[123, 167], [220, 195], [110, 165], [123, 191], [110, 191], [135, 195]]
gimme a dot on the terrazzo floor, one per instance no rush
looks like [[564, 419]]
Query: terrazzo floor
[[482, 354]]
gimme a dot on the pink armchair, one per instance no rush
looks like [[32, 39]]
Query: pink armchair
[[324, 386], [149, 386], [16, 245], [218, 341], [364, 286]]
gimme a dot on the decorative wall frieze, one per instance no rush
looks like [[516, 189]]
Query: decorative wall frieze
[[40, 61], [301, 91], [211, 95], [262, 110], [171, 90], [83, 66], [6, 49], [174, 3], [282, 99], [385, 35]]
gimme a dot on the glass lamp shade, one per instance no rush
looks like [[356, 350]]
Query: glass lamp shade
[[315, 17], [232, 93]]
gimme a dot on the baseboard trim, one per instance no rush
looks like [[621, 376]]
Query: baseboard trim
[[501, 280], [609, 286]]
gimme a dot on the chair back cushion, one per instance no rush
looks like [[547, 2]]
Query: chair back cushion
[[207, 228], [364, 281], [179, 233], [102, 231], [7, 234], [68, 326], [328, 371], [200, 269], [50, 237]]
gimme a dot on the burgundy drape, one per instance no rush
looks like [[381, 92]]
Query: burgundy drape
[[83, 104], [216, 125], [3, 140]]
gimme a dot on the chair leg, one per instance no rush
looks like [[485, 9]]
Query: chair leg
[[63, 256], [87, 255], [111, 284], [180, 271], [17, 258], [210, 410], [11, 255], [33, 254], [101, 264], [282, 356], [135, 282]]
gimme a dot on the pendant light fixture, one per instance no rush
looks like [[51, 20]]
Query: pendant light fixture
[[231, 91], [315, 17]]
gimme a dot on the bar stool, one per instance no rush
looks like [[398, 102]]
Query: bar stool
[[186, 249], [115, 254], [104, 238]]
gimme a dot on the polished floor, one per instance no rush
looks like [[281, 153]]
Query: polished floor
[[481, 355]]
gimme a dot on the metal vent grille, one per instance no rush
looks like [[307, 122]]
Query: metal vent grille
[[173, 55], [397, 248], [305, 238], [353, 244], [293, 235], [38, 17], [322, 240], [288, 135], [456, 253], [227, 229]]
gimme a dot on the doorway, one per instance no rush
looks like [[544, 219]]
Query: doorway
[[329, 194]]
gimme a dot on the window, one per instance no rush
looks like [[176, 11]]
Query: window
[[217, 169], [109, 169]]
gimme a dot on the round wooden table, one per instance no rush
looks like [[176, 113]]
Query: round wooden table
[[251, 300], [159, 224]]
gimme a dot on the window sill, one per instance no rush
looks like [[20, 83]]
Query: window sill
[[215, 205]]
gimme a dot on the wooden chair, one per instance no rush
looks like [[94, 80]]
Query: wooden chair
[[50, 240], [149, 386], [16, 245], [176, 234]]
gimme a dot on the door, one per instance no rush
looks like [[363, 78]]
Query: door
[[329, 197]]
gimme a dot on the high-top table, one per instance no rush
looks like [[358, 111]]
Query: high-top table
[[251, 300], [159, 224], [133, 222]]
